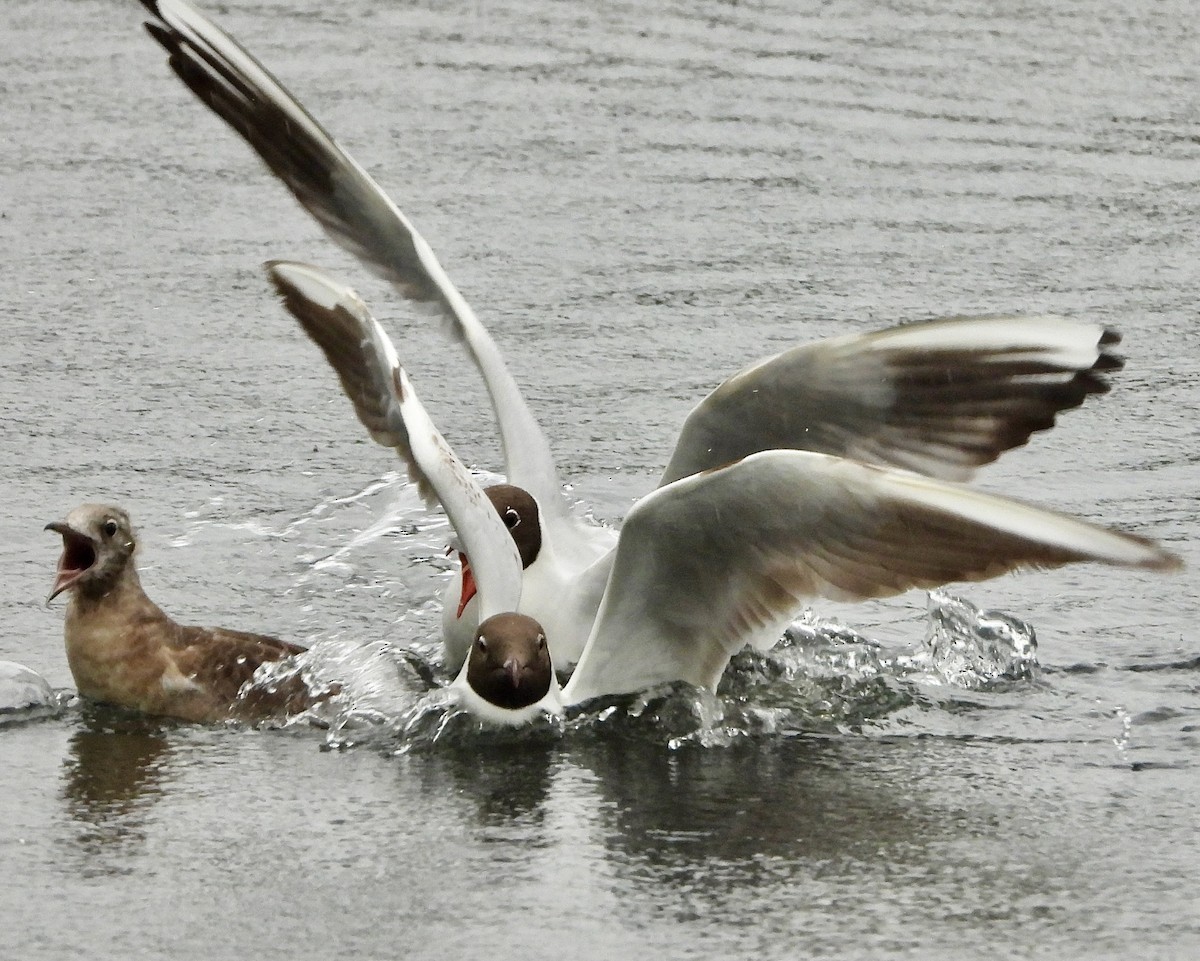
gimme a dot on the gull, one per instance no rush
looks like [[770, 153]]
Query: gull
[[123, 650], [942, 398], [984, 358], [704, 564]]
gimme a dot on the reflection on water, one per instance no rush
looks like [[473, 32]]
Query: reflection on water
[[706, 184], [511, 788], [115, 769], [739, 805]]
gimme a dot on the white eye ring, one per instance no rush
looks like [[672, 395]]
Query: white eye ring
[[511, 518]]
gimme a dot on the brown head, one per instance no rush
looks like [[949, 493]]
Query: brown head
[[509, 664], [98, 546], [519, 511]]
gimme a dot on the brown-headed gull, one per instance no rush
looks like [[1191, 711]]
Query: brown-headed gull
[[941, 398], [704, 564], [564, 594], [563, 590], [123, 650]]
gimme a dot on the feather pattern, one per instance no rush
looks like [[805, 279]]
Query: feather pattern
[[355, 212], [942, 397], [725, 558]]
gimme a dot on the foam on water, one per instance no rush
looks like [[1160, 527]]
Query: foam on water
[[821, 679]]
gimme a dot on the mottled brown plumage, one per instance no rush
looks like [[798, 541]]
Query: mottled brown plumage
[[124, 650]]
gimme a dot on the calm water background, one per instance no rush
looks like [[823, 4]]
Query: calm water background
[[638, 200]]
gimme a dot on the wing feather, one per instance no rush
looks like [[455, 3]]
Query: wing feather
[[354, 211], [721, 559], [941, 398], [367, 365]]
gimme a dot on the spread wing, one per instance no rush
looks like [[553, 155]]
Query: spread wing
[[718, 560], [940, 398], [354, 211], [366, 363]]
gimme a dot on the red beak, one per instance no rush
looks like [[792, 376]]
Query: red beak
[[468, 583]]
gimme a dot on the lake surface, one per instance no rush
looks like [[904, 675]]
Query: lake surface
[[638, 200]]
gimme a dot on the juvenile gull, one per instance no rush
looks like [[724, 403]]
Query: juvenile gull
[[124, 650]]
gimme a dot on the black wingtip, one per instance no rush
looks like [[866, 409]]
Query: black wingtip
[[165, 37], [270, 267]]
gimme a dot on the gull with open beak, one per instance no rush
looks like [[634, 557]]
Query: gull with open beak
[[124, 650]]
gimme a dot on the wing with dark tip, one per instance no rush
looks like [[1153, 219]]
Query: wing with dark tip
[[354, 211], [725, 558], [941, 398], [360, 353], [369, 369]]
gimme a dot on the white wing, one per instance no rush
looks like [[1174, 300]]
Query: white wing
[[355, 212], [941, 397], [356, 347], [714, 561]]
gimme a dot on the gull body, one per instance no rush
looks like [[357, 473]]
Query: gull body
[[123, 650], [704, 564]]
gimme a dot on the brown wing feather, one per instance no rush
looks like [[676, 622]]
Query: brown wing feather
[[222, 661]]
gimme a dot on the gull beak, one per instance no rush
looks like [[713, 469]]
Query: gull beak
[[79, 554], [469, 587]]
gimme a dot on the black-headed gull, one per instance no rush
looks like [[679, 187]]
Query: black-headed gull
[[123, 650], [941, 398], [563, 592], [715, 561], [704, 564]]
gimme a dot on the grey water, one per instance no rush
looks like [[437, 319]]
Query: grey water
[[637, 199]]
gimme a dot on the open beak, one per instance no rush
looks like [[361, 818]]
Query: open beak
[[468, 584], [79, 554]]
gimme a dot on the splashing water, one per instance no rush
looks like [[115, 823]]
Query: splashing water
[[821, 678], [969, 648], [25, 694]]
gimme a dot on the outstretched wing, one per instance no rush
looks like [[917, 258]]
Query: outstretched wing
[[718, 560], [365, 360], [354, 211], [940, 398]]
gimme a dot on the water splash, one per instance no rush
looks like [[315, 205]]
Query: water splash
[[970, 648], [822, 678], [25, 695]]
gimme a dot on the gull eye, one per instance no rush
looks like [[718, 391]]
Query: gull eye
[[511, 518], [110, 528]]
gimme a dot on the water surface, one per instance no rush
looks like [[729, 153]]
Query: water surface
[[637, 201]]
